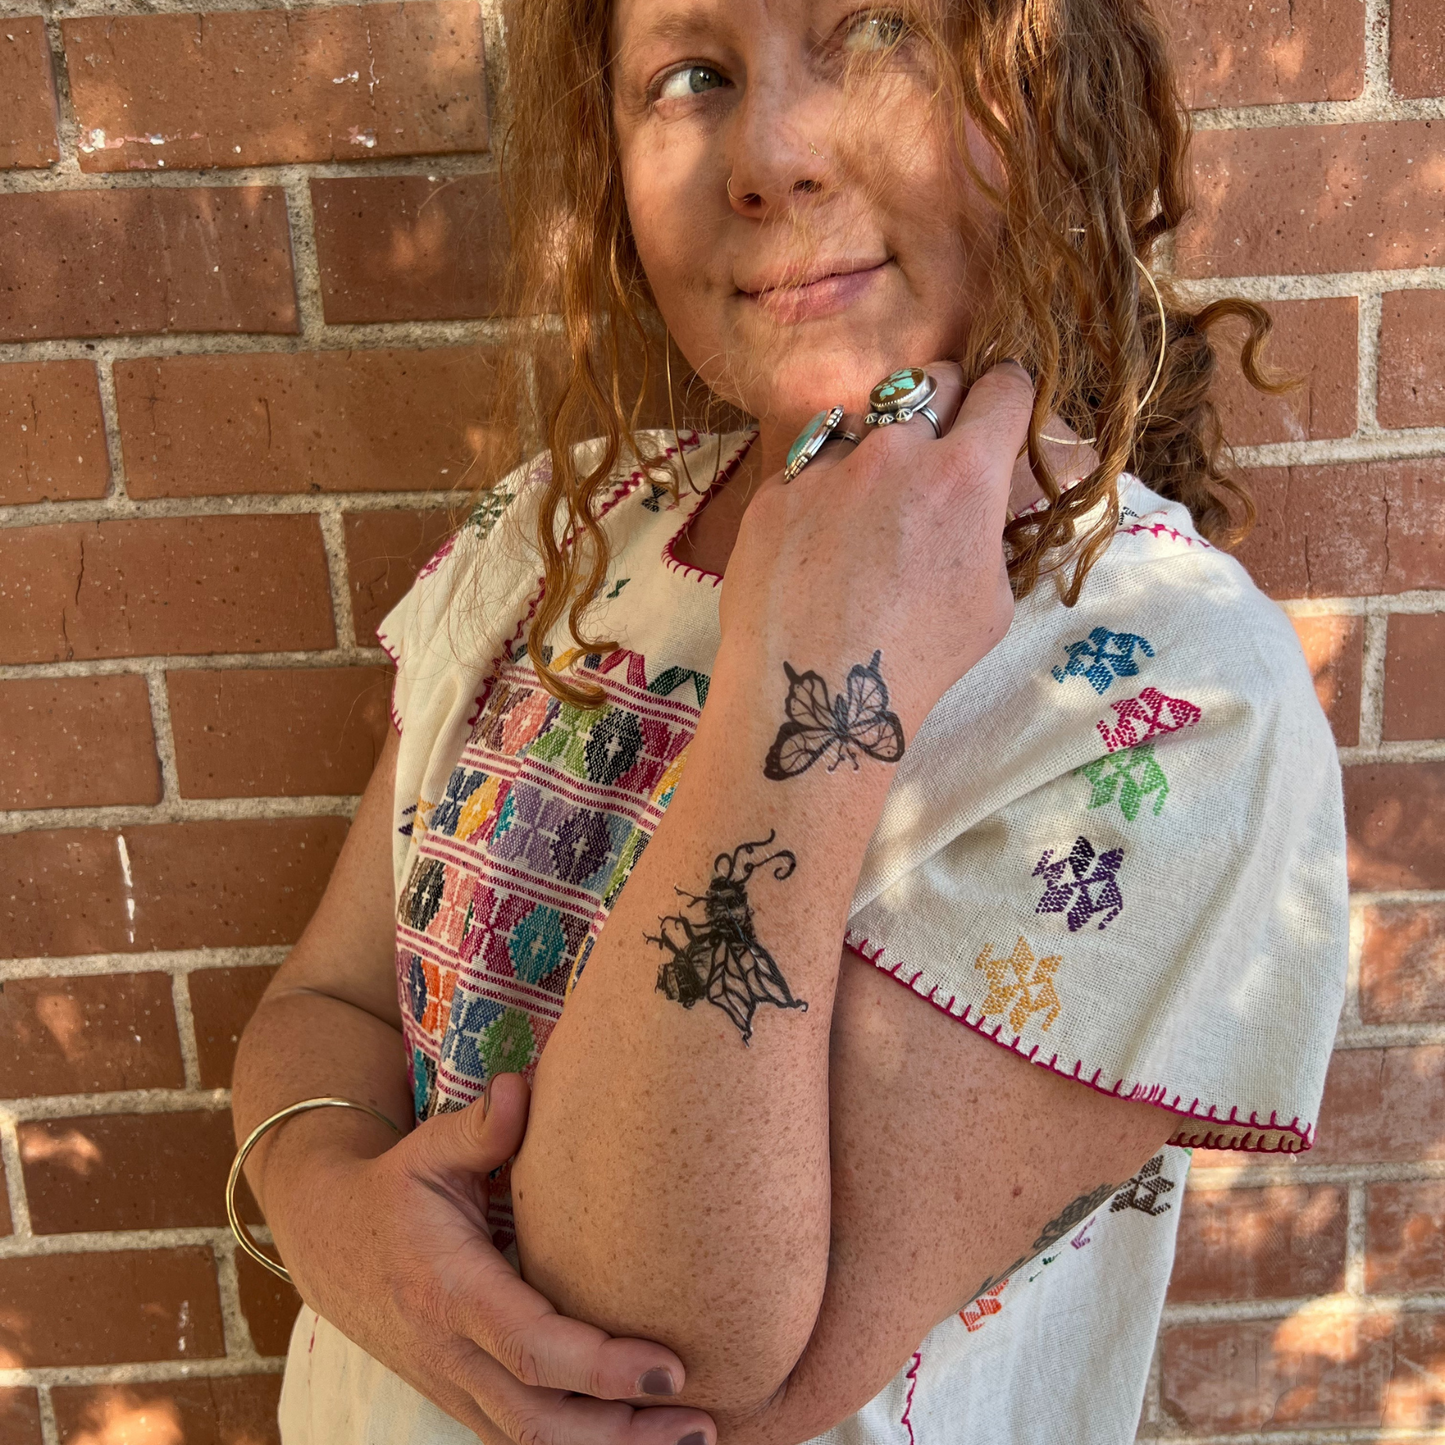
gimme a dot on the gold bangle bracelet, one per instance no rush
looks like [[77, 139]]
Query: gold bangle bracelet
[[243, 1236]]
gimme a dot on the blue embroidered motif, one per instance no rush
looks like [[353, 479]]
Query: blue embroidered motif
[[1103, 656], [1087, 892]]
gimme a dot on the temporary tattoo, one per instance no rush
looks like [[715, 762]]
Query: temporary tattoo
[[719, 957], [1053, 1232], [1143, 1190], [819, 724]]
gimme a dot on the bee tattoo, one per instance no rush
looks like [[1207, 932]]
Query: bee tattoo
[[821, 725], [718, 957]]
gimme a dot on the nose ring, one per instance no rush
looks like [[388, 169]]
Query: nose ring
[[728, 187]]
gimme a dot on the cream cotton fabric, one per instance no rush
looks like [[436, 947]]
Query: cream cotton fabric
[[1115, 847]]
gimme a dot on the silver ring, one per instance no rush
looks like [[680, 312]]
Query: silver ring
[[901, 396], [811, 440]]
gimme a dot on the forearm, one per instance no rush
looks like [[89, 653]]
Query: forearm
[[674, 1180], [302, 1044]]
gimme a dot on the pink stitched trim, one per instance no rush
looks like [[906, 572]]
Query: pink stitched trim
[[669, 557], [912, 1378], [1251, 1138], [1162, 529]]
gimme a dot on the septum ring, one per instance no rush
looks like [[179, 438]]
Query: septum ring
[[902, 396]]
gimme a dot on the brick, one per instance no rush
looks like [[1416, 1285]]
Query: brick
[[163, 585], [224, 884], [1235, 52], [278, 731], [222, 1000], [145, 259], [1292, 199], [1321, 1367], [1404, 1236], [1383, 1106], [1350, 530], [88, 1035], [1314, 342], [225, 1410], [1414, 680], [1402, 963], [340, 83], [269, 1305], [129, 1306], [20, 1416], [384, 552], [1411, 380], [28, 85], [129, 1171], [1395, 817], [1276, 1243], [52, 437], [404, 248], [7, 1226], [327, 421], [1417, 47], [1334, 647], [76, 742]]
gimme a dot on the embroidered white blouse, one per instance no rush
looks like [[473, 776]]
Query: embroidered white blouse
[[1115, 847]]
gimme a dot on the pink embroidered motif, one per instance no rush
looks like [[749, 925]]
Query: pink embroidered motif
[[1145, 717], [973, 1315], [1163, 529], [912, 1378]]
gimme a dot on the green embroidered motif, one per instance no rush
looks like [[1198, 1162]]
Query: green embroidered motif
[[1132, 774], [668, 681], [507, 1045], [488, 511], [566, 740]]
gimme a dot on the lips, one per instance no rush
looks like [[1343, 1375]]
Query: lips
[[833, 288], [799, 280]]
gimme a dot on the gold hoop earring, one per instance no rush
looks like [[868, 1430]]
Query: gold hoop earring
[[1158, 365], [672, 416]]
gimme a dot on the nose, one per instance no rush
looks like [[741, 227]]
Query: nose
[[779, 151]]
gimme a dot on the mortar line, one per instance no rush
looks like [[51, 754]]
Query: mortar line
[[1355, 1225], [179, 962], [120, 1101], [67, 130], [116, 1241], [1367, 422], [338, 571], [14, 1180], [49, 1426], [1377, 85], [162, 732], [235, 1327], [1372, 683], [244, 504], [111, 666], [1350, 1013], [186, 810], [305, 266], [220, 1367], [186, 1029]]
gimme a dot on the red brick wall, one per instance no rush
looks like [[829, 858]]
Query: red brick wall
[[247, 262]]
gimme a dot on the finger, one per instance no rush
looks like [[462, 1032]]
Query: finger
[[944, 404], [554, 1417], [488, 1303], [842, 444], [997, 409], [477, 1139]]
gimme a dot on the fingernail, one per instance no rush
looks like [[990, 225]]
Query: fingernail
[[696, 1438], [657, 1382], [487, 1099]]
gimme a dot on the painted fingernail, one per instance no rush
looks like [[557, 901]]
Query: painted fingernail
[[696, 1438], [657, 1382]]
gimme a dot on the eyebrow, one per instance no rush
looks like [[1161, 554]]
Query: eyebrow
[[675, 24]]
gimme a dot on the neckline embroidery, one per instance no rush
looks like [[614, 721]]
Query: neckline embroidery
[[670, 558]]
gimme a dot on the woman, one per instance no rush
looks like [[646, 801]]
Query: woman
[[1074, 791]]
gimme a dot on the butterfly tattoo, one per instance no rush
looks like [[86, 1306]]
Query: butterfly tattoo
[[718, 957], [820, 725]]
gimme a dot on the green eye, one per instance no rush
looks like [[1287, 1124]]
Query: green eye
[[690, 80], [876, 32]]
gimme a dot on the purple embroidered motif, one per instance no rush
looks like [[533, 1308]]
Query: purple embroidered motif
[[1094, 887]]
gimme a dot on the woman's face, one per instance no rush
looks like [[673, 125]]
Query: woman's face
[[852, 242]]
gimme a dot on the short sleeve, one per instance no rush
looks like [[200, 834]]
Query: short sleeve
[[1117, 847], [447, 636]]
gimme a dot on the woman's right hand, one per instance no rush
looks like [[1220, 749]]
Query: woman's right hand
[[395, 1251]]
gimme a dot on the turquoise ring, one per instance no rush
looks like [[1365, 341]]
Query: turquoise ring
[[811, 440], [902, 396]]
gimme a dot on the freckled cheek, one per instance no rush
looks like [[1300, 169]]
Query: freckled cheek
[[669, 209]]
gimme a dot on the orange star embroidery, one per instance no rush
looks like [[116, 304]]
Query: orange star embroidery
[[1030, 990]]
